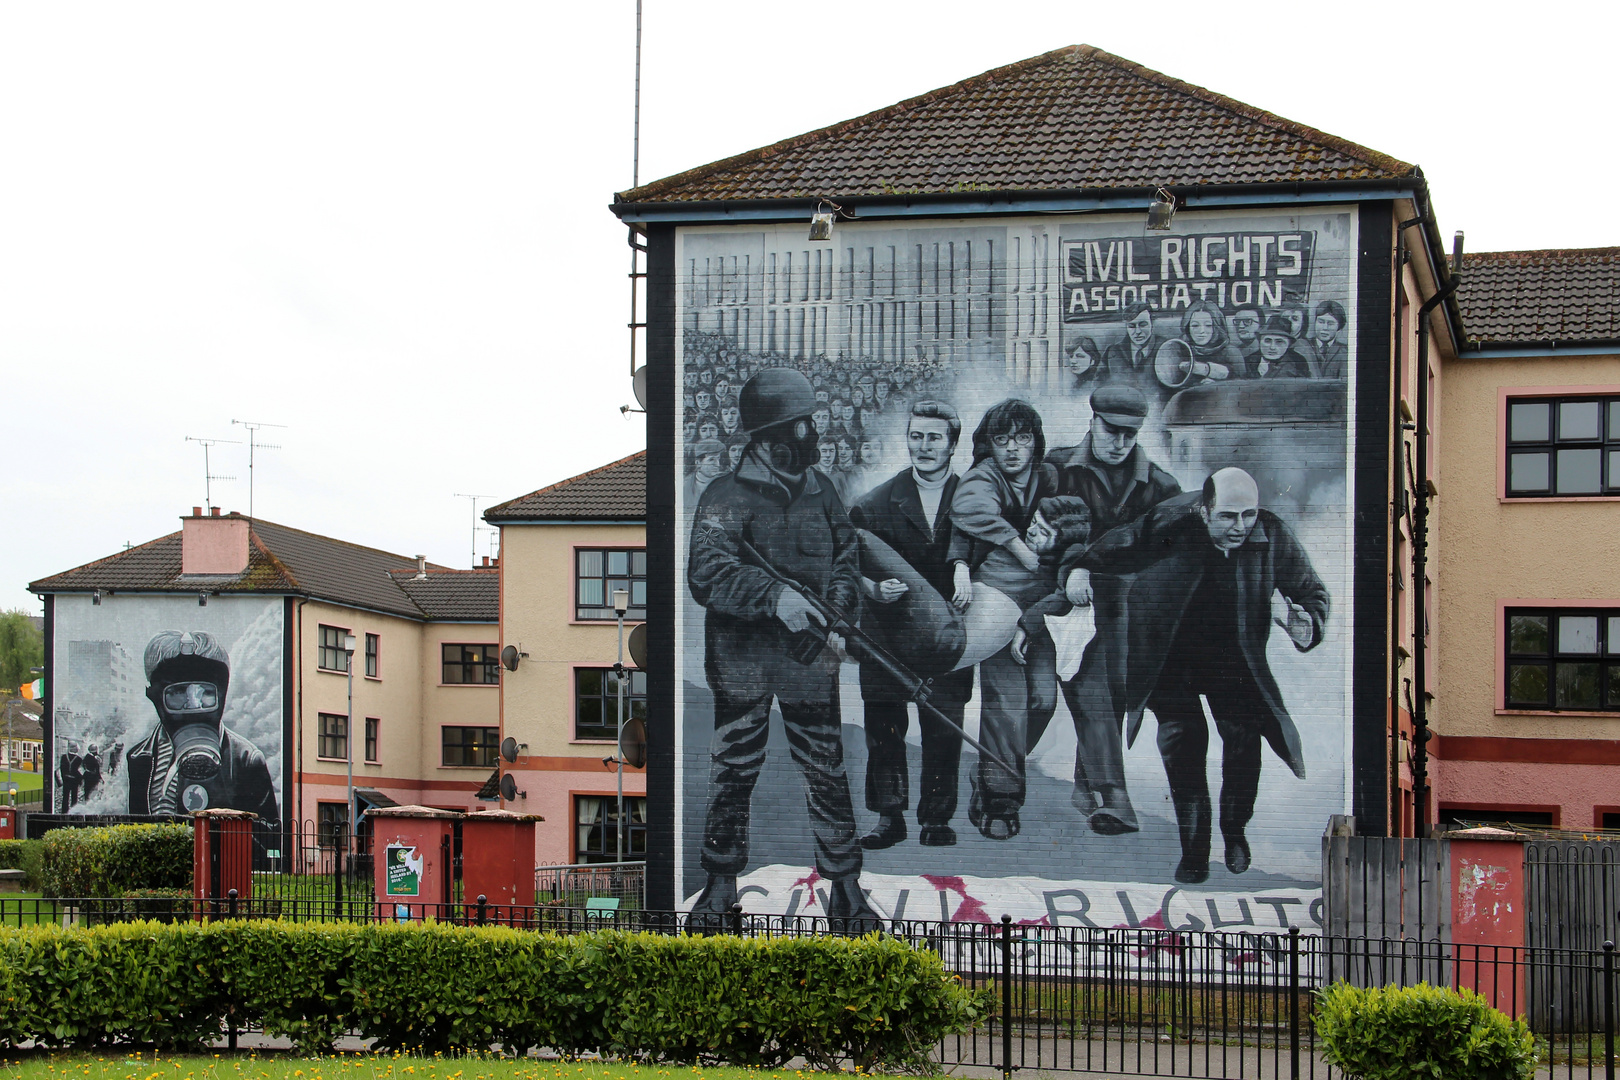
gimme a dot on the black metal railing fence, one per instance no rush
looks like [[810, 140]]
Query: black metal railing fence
[[1068, 998]]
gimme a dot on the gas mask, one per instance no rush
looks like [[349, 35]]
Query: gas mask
[[791, 446], [188, 692]]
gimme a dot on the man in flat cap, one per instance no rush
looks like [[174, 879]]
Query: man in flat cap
[[1113, 474]]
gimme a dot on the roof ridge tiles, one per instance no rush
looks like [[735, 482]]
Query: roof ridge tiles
[[281, 568], [1528, 254], [652, 192], [336, 540]]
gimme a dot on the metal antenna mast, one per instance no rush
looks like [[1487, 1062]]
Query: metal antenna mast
[[208, 472], [474, 499], [253, 427], [636, 248]]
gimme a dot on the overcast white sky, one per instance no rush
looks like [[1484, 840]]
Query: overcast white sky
[[384, 225]]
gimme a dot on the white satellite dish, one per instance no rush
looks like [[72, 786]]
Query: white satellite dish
[[639, 382]]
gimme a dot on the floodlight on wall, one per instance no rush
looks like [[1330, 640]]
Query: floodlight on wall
[[821, 222], [95, 598], [202, 599], [1161, 210]]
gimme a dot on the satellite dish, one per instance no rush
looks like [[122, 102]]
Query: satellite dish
[[509, 658], [509, 789], [638, 646], [509, 748], [633, 743], [639, 382]]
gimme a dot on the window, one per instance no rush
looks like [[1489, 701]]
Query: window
[[596, 701], [334, 737], [599, 572], [1563, 659], [373, 644], [332, 824], [472, 664], [372, 724], [596, 819], [1563, 446], [331, 656], [478, 746]]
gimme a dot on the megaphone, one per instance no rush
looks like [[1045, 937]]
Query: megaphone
[[1175, 367]]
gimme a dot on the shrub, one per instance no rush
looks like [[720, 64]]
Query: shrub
[[27, 856], [112, 860], [869, 1001], [1395, 1033]]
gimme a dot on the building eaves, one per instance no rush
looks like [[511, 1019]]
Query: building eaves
[[1072, 119], [612, 493], [1541, 298]]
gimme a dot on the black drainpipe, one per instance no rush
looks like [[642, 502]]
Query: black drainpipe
[[1398, 510], [1420, 558]]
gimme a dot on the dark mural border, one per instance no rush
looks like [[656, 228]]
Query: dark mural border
[[1375, 309], [1370, 577], [661, 473]]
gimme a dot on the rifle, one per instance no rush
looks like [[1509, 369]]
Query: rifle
[[862, 647]]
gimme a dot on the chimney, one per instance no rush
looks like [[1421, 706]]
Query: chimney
[[213, 544], [486, 561], [421, 567], [214, 510]]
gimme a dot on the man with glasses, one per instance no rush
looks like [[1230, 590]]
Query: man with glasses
[[1246, 321], [1119, 483]]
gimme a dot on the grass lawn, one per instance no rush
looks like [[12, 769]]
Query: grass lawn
[[25, 781], [132, 1066]]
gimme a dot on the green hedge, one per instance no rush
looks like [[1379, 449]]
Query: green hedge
[[27, 856], [756, 1001], [112, 860], [1423, 1031]]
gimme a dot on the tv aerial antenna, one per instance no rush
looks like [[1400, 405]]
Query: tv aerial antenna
[[209, 475], [253, 428], [474, 499]]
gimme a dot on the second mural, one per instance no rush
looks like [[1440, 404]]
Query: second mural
[[1013, 568]]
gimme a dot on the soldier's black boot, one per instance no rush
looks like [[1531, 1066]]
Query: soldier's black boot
[[1237, 852], [711, 911], [847, 909]]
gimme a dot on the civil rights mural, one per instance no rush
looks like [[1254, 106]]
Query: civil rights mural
[[1013, 568], [162, 706]]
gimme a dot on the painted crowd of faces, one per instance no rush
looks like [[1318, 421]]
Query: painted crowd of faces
[[850, 396], [1295, 339]]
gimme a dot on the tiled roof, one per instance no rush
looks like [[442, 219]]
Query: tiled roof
[[459, 595], [616, 492], [22, 719], [1541, 296], [1074, 118], [281, 560]]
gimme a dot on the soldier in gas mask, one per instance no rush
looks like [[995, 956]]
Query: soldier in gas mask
[[765, 640], [191, 761]]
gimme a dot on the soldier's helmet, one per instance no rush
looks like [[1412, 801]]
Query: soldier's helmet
[[775, 396]]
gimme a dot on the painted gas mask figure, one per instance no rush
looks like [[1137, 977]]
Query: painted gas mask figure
[[191, 761]]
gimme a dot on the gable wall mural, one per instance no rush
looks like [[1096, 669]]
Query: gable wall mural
[[163, 706], [1013, 567]]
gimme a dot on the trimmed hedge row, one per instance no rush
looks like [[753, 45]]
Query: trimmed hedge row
[[114, 859], [748, 1001], [1422, 1031]]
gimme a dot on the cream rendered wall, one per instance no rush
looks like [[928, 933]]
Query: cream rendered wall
[[465, 705], [395, 698], [1499, 550], [537, 607]]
